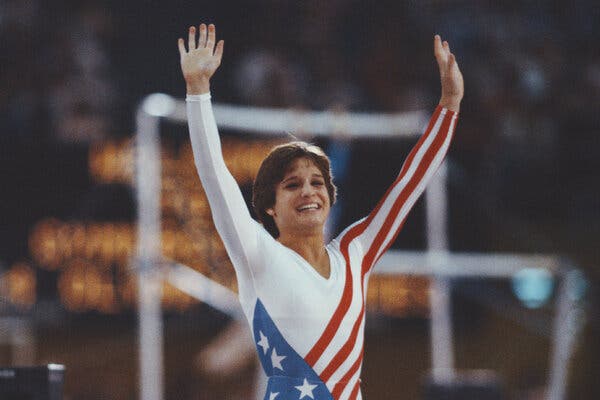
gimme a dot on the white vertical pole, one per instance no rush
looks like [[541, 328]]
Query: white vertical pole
[[24, 342], [442, 354], [148, 185], [566, 328], [18, 333]]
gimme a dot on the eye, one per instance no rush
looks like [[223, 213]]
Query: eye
[[291, 186], [318, 183]]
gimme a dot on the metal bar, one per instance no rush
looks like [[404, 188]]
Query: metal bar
[[442, 350], [566, 328], [318, 123], [18, 332], [148, 176], [205, 289], [464, 265]]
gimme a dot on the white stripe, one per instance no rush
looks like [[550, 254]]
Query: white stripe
[[347, 391], [340, 237], [353, 356], [379, 220], [354, 309], [345, 395], [358, 300], [340, 337], [358, 345], [414, 196]]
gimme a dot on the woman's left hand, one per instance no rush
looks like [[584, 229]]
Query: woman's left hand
[[450, 76]]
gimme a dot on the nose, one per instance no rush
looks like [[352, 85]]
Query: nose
[[307, 189]]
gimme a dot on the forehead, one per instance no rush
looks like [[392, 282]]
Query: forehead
[[302, 165]]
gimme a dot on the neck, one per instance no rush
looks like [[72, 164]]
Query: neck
[[311, 246]]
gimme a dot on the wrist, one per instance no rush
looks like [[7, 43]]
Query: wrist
[[199, 86], [452, 103]]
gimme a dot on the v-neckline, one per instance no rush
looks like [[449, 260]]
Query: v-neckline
[[311, 268]]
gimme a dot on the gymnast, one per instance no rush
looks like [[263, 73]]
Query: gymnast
[[303, 298]]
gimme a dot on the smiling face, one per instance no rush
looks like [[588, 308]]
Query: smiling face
[[301, 199], [276, 167]]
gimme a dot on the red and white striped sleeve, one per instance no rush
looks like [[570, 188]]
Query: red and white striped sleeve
[[379, 229]]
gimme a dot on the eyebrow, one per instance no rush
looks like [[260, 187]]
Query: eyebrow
[[296, 177]]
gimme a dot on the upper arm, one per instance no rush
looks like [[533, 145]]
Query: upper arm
[[230, 214]]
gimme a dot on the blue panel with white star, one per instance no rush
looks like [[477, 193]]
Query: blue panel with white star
[[290, 377]]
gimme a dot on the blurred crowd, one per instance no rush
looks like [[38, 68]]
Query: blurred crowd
[[532, 72], [58, 79], [524, 157]]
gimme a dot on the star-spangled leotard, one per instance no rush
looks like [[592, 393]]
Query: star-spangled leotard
[[308, 330]]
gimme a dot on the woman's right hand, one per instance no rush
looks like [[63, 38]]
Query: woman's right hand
[[199, 62]]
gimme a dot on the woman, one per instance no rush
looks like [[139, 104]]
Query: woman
[[305, 299]]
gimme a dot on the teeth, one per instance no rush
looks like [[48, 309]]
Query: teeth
[[308, 206]]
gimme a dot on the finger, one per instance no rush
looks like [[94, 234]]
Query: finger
[[451, 62], [453, 65], [210, 42], [219, 51], [446, 46], [181, 46], [437, 45], [438, 51], [202, 39], [192, 38]]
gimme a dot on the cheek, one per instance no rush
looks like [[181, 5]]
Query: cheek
[[280, 201], [326, 197]]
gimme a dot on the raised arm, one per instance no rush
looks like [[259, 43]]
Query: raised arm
[[230, 213], [378, 231]]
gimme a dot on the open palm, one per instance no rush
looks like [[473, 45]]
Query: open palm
[[450, 76], [200, 61]]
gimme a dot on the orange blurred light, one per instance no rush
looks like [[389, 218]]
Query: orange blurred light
[[43, 244], [18, 284]]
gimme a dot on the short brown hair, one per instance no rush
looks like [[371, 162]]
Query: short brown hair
[[273, 169]]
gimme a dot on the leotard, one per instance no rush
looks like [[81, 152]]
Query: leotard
[[308, 330]]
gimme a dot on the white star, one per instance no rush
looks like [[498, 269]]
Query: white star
[[273, 395], [306, 389], [276, 360], [263, 342]]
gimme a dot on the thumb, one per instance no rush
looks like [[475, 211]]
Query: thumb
[[219, 50]]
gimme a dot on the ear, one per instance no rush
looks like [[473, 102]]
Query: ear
[[270, 211]]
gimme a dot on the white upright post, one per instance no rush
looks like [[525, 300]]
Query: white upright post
[[442, 353], [24, 342], [566, 328], [148, 184]]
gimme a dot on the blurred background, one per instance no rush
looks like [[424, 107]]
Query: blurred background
[[523, 176]]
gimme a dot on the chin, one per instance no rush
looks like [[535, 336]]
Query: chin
[[314, 224]]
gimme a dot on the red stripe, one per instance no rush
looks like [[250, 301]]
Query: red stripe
[[444, 127], [347, 348], [335, 321], [354, 394], [349, 343], [319, 348], [341, 385], [406, 192], [341, 355], [419, 144], [368, 259], [406, 164]]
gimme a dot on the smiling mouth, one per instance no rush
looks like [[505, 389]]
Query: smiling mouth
[[308, 207]]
